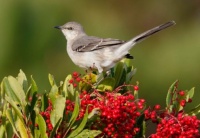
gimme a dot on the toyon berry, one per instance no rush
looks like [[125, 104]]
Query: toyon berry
[[136, 87], [117, 113], [181, 93], [75, 85], [182, 126], [78, 79], [182, 102], [75, 74], [157, 107], [71, 81]]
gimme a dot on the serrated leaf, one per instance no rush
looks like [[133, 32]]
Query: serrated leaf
[[58, 109], [81, 126], [22, 80], [106, 84], [195, 110], [42, 126]]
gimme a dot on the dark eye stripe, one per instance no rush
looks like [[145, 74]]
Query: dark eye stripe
[[69, 28]]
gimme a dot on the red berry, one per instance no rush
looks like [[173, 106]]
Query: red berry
[[157, 107], [181, 93], [78, 79], [189, 100], [136, 87], [75, 85], [71, 81], [183, 102], [75, 74], [30, 98]]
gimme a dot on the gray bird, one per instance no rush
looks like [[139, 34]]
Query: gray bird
[[100, 53]]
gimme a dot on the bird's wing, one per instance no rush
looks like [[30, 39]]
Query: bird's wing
[[91, 43]]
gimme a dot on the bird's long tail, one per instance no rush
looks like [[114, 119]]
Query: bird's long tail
[[123, 49]]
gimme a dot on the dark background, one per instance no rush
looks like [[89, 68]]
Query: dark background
[[29, 42]]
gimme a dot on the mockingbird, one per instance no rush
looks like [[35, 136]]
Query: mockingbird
[[100, 53]]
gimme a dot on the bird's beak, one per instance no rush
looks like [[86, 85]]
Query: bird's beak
[[57, 27]]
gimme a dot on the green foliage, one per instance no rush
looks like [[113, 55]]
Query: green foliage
[[26, 113]]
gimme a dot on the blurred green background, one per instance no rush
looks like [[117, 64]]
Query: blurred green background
[[29, 42]]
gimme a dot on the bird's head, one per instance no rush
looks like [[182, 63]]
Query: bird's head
[[71, 30]]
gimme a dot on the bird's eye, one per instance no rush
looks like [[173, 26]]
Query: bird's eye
[[69, 28]]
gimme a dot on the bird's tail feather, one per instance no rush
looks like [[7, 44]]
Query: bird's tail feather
[[123, 49]]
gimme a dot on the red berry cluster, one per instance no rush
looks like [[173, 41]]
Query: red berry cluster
[[118, 113], [182, 126], [46, 115], [152, 113], [75, 79]]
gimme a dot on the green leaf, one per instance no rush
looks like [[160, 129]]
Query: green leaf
[[66, 85], [53, 132], [58, 109], [42, 126], [75, 112], [9, 91], [14, 90], [141, 125], [34, 87], [44, 102], [68, 89], [171, 95], [195, 111], [15, 107], [22, 129], [33, 102], [53, 93], [9, 130], [21, 78], [190, 94], [2, 131], [119, 73], [129, 75], [106, 84], [88, 133], [81, 126], [10, 117], [51, 80]]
